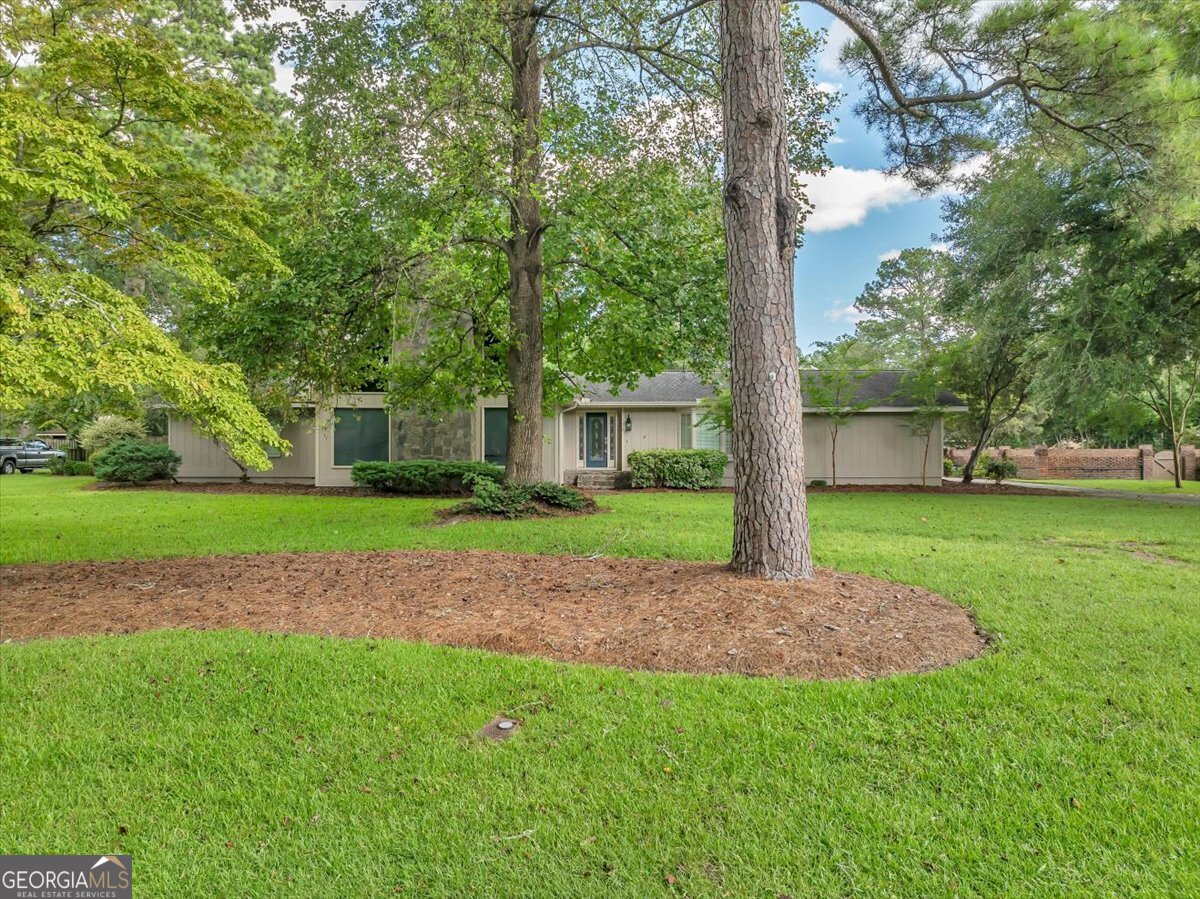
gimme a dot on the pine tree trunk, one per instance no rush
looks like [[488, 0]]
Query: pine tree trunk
[[770, 516], [525, 353]]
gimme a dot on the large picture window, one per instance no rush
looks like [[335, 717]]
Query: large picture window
[[697, 434], [360, 435]]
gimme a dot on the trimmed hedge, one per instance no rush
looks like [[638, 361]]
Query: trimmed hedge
[[133, 462], [689, 469], [424, 476]]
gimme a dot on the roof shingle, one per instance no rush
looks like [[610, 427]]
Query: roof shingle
[[684, 388]]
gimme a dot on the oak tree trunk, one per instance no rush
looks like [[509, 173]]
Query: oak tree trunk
[[770, 516], [525, 351]]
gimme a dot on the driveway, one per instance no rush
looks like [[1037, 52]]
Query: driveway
[[1182, 500]]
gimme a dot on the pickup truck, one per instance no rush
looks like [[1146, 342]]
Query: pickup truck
[[25, 456]]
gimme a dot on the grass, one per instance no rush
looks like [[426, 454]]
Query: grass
[[1188, 488], [1063, 763]]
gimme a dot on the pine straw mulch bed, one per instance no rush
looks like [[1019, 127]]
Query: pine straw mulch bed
[[630, 613]]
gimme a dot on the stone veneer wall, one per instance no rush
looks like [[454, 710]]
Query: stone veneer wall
[[446, 437]]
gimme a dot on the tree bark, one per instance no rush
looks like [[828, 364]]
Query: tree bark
[[770, 516], [525, 350], [833, 434]]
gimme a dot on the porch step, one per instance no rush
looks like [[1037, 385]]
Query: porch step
[[597, 480]]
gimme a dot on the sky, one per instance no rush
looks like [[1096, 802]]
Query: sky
[[861, 214]]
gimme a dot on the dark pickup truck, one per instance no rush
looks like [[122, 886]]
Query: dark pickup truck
[[26, 455]]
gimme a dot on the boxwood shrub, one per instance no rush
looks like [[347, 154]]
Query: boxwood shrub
[[134, 462], [427, 476], [689, 469]]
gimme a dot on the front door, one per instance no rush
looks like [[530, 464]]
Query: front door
[[596, 440]]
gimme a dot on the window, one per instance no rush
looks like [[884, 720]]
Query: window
[[697, 434], [360, 435], [495, 436]]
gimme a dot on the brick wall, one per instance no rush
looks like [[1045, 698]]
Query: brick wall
[[1048, 462]]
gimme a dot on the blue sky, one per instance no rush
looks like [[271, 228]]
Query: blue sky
[[861, 214]]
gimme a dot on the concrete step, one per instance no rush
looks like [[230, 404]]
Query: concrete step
[[596, 480]]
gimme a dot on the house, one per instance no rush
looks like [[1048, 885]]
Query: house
[[585, 442]]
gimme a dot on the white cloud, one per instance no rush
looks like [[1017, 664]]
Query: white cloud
[[285, 77], [845, 314], [890, 254], [940, 247], [842, 197], [838, 36]]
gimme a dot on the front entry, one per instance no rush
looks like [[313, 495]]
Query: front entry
[[596, 442]]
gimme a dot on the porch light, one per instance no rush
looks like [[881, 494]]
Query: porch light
[[628, 422]]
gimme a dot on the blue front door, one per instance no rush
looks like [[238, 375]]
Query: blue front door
[[596, 440]]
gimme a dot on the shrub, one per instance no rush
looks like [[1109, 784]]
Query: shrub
[[817, 482], [423, 476], [999, 469], [109, 429], [133, 462], [688, 469], [490, 497], [557, 495], [58, 465], [949, 469]]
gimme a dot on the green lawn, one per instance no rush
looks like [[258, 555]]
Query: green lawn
[[1189, 487], [1063, 763]]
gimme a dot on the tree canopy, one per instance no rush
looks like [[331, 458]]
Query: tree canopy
[[114, 143]]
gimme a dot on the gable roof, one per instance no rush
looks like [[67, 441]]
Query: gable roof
[[882, 389]]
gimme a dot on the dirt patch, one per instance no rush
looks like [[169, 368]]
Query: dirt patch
[[636, 614]]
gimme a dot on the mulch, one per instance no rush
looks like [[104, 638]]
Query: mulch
[[978, 489], [629, 613]]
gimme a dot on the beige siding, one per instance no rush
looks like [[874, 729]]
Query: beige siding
[[657, 429], [872, 448], [204, 459]]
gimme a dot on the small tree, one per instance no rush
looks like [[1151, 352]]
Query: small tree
[[109, 429], [924, 386], [832, 389]]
